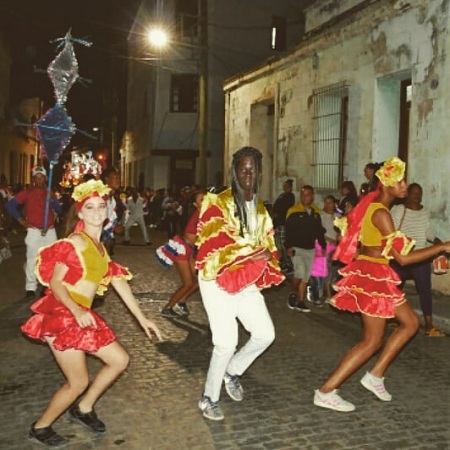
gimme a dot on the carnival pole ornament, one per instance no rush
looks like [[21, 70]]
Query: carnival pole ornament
[[55, 128]]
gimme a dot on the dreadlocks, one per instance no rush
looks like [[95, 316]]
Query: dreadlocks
[[236, 189]]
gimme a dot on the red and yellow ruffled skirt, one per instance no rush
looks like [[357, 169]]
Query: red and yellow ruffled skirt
[[369, 286], [53, 319]]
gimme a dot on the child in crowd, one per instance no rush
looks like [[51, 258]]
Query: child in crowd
[[324, 270]]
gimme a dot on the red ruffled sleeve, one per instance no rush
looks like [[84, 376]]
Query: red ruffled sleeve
[[397, 241], [62, 251], [115, 271]]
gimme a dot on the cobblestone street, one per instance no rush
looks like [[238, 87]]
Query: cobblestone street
[[154, 404]]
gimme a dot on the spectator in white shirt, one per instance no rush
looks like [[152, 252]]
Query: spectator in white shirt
[[414, 220], [135, 206]]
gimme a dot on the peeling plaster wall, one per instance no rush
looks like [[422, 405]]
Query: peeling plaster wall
[[322, 12], [384, 41]]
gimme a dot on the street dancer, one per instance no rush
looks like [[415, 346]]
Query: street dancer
[[180, 252], [369, 286], [236, 258], [75, 269]]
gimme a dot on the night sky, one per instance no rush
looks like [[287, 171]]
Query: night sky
[[29, 26]]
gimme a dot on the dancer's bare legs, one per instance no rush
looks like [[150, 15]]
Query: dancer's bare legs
[[373, 333], [73, 365]]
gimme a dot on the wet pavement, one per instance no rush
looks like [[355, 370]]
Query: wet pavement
[[154, 404]]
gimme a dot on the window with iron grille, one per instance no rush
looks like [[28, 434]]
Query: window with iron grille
[[330, 121], [184, 93]]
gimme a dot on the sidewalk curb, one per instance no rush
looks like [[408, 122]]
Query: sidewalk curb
[[441, 322]]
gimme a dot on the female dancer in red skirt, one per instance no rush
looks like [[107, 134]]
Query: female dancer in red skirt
[[75, 269], [369, 286]]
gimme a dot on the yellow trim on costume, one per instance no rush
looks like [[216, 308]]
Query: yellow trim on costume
[[371, 294], [102, 287], [90, 252], [77, 252], [226, 223], [342, 224], [369, 277], [372, 259], [210, 229], [407, 244], [397, 302]]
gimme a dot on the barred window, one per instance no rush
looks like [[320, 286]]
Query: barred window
[[330, 121]]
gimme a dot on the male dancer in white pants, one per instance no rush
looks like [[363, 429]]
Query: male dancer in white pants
[[236, 258]]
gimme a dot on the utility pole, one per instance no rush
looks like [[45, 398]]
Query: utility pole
[[203, 93]]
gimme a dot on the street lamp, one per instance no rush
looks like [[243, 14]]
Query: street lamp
[[160, 39]]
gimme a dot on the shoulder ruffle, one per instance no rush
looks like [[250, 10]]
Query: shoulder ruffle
[[62, 251], [115, 271], [397, 241]]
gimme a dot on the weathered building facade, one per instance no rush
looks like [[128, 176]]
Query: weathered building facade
[[370, 80]]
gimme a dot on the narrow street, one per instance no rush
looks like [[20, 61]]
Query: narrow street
[[154, 404]]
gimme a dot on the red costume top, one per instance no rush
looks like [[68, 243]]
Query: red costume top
[[225, 250], [191, 226], [52, 319]]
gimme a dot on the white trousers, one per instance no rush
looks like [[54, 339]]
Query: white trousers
[[223, 309], [130, 222], [34, 241]]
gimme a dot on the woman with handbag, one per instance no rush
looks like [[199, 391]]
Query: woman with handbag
[[414, 220]]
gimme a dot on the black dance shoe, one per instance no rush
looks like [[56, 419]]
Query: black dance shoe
[[88, 420], [47, 436]]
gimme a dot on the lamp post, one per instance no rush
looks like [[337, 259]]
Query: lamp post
[[203, 95], [159, 38]]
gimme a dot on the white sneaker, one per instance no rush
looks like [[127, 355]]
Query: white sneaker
[[376, 385], [211, 410], [233, 387], [332, 400]]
